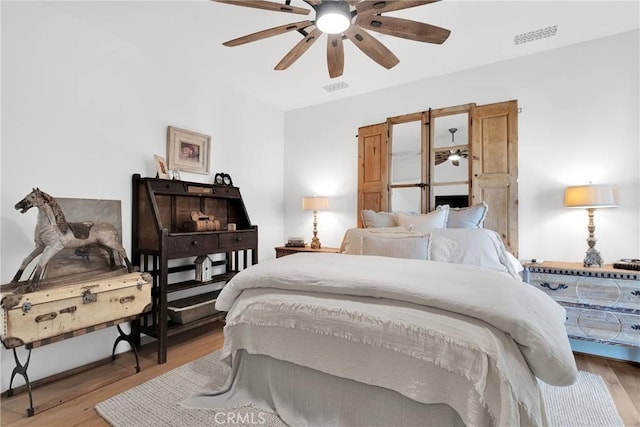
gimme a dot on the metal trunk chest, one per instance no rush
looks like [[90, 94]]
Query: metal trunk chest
[[61, 309]]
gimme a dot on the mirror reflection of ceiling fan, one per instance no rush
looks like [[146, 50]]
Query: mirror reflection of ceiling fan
[[344, 19], [453, 154]]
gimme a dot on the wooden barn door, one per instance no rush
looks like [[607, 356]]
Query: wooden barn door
[[372, 169], [494, 167]]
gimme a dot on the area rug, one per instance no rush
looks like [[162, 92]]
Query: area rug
[[157, 402]]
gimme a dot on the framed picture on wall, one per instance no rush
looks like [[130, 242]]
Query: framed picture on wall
[[161, 167], [188, 151]]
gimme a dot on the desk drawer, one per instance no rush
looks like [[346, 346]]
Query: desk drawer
[[168, 186], [614, 293], [596, 291], [603, 326], [559, 287], [239, 240], [192, 244], [232, 192]]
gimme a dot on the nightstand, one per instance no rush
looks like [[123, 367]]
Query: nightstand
[[603, 304], [288, 250]]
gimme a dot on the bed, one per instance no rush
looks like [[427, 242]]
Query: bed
[[404, 327]]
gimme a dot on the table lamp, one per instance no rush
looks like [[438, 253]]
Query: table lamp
[[315, 204], [591, 197]]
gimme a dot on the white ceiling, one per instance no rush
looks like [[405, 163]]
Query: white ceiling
[[482, 32]]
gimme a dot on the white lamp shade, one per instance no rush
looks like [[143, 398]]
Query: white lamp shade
[[314, 203], [591, 196]]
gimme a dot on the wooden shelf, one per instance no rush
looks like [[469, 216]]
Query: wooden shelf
[[176, 328], [189, 284]]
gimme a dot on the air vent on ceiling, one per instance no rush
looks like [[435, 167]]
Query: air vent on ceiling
[[542, 33], [336, 86]]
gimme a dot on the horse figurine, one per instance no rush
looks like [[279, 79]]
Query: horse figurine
[[53, 233]]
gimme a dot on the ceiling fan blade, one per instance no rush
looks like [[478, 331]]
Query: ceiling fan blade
[[335, 55], [377, 6], [297, 51], [371, 47], [266, 5], [455, 162], [268, 33], [440, 158], [404, 28]]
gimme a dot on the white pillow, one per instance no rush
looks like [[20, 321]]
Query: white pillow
[[425, 222], [373, 219], [513, 261], [471, 217], [352, 240], [404, 247], [474, 246]]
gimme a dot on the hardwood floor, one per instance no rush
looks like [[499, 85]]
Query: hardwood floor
[[77, 409]]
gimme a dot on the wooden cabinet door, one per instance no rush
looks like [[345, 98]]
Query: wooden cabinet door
[[372, 169], [494, 167]]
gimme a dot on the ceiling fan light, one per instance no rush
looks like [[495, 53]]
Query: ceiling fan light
[[454, 156], [333, 17]]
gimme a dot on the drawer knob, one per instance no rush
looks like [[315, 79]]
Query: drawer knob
[[194, 242], [238, 239], [557, 288], [635, 293]]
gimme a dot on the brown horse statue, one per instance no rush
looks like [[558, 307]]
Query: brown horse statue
[[53, 233]]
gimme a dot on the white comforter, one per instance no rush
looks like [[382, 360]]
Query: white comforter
[[474, 329]]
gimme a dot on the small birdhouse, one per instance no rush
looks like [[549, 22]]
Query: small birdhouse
[[204, 268]]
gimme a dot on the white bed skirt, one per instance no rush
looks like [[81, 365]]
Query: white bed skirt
[[303, 396]]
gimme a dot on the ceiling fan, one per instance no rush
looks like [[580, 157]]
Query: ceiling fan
[[453, 154], [344, 19]]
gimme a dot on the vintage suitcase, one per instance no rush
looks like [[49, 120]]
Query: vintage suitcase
[[57, 310]]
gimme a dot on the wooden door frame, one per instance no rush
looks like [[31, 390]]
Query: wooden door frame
[[423, 118], [443, 112]]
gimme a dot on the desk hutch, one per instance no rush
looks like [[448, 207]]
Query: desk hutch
[[164, 245]]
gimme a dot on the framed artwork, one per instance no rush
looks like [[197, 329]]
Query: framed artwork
[[161, 167], [188, 151]]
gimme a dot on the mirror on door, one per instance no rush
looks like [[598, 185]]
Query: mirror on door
[[450, 160], [406, 174]]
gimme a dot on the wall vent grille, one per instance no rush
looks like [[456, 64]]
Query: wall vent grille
[[541, 33], [336, 86]]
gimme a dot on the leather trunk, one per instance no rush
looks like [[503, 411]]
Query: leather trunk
[[64, 308]]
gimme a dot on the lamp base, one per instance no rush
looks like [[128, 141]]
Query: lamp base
[[593, 258], [315, 243]]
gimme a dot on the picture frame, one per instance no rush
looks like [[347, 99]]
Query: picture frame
[[161, 167], [188, 151]]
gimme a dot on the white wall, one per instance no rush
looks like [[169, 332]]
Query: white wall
[[83, 109], [579, 123]]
